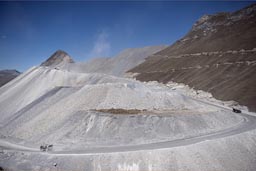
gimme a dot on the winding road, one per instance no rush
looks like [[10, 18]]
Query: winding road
[[248, 123]]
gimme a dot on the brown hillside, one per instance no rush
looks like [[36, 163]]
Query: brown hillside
[[218, 55]]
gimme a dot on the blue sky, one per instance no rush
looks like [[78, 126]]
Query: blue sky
[[31, 31]]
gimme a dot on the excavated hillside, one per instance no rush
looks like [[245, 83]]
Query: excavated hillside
[[218, 55]]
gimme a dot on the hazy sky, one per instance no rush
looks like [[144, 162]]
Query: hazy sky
[[31, 31]]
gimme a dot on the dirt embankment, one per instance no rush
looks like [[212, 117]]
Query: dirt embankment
[[120, 111]]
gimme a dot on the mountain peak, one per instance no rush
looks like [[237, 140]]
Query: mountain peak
[[60, 57]]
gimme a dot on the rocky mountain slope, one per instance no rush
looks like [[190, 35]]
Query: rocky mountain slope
[[43, 105], [74, 112], [60, 60], [48, 104], [116, 65], [218, 55], [7, 75]]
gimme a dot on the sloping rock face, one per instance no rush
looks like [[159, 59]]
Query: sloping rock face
[[57, 59], [218, 55], [116, 65], [7, 75]]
